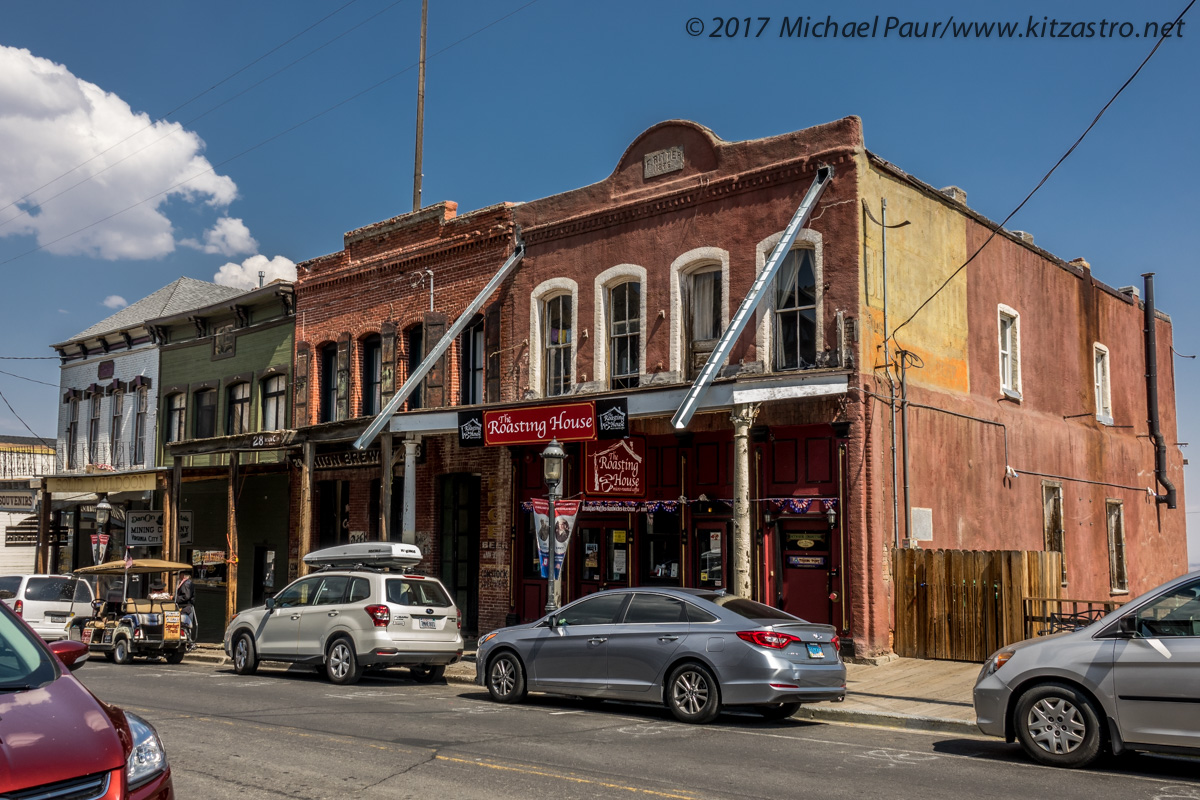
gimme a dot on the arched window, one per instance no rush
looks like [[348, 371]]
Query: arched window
[[471, 363], [139, 425], [328, 386], [274, 403], [795, 342], [237, 409], [624, 320], [372, 375], [699, 307], [414, 339], [558, 320], [94, 454], [116, 440], [73, 459]]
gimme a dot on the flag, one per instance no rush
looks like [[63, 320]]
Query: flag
[[541, 527], [128, 559]]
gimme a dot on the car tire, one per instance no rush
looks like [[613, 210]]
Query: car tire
[[245, 659], [176, 655], [122, 652], [506, 678], [1058, 726], [341, 662], [109, 657], [778, 711], [427, 673], [693, 695]]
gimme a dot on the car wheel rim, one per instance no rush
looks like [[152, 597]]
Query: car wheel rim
[[239, 657], [1056, 725], [338, 661], [690, 692], [503, 679]]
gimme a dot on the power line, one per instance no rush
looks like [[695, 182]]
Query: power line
[[31, 380], [1046, 177], [28, 358], [18, 416], [268, 140], [173, 110]]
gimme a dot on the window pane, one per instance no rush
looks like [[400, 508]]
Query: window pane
[[599, 610], [206, 414], [1174, 614], [655, 608]]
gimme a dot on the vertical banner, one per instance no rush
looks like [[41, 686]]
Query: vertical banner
[[541, 527], [565, 514], [99, 547]]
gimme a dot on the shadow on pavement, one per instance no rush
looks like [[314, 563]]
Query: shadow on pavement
[[1145, 765]]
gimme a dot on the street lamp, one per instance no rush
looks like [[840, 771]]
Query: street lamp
[[103, 511], [552, 472], [831, 516]]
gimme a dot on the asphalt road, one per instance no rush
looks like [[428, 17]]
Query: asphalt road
[[292, 734]]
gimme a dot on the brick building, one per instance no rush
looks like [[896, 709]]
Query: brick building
[[1024, 423]]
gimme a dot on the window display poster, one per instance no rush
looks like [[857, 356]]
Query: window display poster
[[618, 565]]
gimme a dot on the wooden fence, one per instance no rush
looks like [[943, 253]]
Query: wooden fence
[[962, 605]]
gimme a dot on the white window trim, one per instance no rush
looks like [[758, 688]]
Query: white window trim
[[764, 339], [693, 261], [1103, 397], [544, 291], [1109, 505], [605, 282], [1002, 311]]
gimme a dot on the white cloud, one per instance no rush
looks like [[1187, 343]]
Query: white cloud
[[63, 311], [228, 237], [115, 301], [52, 121], [245, 275]]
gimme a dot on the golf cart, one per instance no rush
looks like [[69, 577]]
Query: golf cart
[[122, 627]]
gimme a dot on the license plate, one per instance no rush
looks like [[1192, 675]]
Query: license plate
[[815, 651], [428, 623], [87, 635], [57, 617]]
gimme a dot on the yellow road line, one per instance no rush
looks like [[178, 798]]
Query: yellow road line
[[559, 776]]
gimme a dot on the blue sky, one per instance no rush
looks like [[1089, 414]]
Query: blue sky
[[529, 99]]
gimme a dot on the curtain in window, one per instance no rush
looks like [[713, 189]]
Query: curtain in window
[[706, 305], [796, 312]]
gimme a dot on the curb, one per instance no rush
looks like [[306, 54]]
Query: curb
[[831, 713]]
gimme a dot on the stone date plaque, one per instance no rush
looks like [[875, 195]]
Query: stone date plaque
[[660, 162]]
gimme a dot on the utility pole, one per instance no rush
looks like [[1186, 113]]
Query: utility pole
[[420, 109]]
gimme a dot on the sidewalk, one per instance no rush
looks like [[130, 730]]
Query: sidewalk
[[904, 693]]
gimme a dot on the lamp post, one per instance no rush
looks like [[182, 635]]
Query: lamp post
[[103, 511], [552, 473]]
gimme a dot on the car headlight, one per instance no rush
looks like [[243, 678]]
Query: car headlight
[[998, 660], [487, 638], [148, 757]]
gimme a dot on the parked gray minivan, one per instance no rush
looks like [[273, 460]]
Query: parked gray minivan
[[47, 602], [1130, 681]]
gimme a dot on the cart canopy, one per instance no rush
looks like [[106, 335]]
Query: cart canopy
[[139, 566]]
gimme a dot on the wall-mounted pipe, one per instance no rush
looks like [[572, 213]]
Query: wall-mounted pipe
[[1160, 447]]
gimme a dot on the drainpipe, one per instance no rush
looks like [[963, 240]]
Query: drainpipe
[[891, 380], [1160, 448], [904, 444]]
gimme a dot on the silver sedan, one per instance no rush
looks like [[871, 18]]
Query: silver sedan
[[1130, 681], [696, 651]]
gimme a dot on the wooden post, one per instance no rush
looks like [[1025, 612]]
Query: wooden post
[[231, 560], [385, 487], [171, 496], [41, 559], [306, 494]]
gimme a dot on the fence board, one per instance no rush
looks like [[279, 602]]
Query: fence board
[[964, 604]]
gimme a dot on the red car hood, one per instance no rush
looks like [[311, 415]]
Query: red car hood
[[57, 732]]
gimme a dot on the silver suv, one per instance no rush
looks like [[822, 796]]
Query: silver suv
[[347, 619], [47, 602]]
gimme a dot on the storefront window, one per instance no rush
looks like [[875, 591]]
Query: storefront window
[[660, 565]]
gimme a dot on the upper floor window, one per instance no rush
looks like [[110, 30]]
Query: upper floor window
[[1117, 574], [176, 415], [372, 375], [139, 425], [703, 303], [94, 430], [72, 434], [471, 346], [205, 416], [1010, 351], [624, 334], [415, 339], [274, 399], [116, 440], [328, 388], [237, 409], [1103, 386], [796, 311], [556, 341]]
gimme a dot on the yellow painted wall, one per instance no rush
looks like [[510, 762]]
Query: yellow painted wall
[[920, 256]]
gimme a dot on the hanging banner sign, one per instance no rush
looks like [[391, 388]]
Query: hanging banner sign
[[612, 418], [541, 527], [617, 469], [99, 547], [568, 422], [565, 514], [470, 428], [145, 528]]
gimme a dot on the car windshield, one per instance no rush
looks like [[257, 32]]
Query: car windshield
[[50, 590], [748, 608], [416, 592], [24, 662], [9, 584]]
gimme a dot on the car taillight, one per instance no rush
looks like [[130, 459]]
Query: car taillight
[[837, 643], [460, 619], [380, 615], [772, 639], [19, 607]]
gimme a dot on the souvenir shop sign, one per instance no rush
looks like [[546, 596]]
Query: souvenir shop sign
[[145, 528], [616, 469], [567, 422]]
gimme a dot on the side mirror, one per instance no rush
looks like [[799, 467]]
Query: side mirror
[[73, 654], [1127, 627], [270, 603]]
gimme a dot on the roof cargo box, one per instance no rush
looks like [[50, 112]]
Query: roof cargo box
[[377, 555]]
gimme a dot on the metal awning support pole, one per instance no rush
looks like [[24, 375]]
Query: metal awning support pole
[[757, 291], [418, 375]]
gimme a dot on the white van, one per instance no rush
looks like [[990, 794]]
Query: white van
[[45, 601]]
